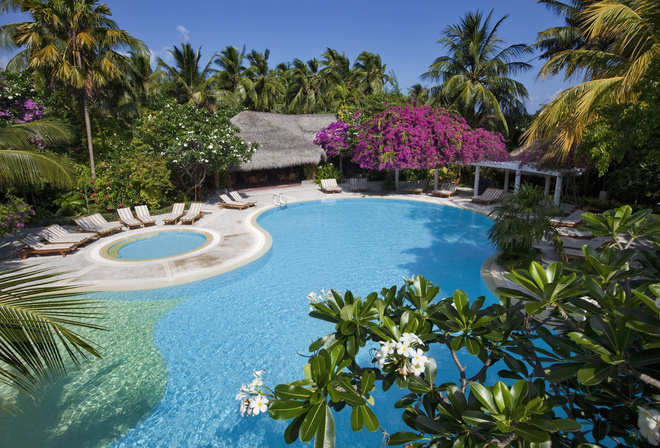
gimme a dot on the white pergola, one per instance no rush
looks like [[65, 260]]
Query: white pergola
[[520, 169]]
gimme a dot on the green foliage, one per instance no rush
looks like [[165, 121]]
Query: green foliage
[[14, 214], [328, 171], [520, 220], [575, 345], [195, 142]]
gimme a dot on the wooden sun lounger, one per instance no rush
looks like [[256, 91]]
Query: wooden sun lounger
[[572, 220], [142, 213], [574, 232], [330, 186], [175, 215], [192, 214], [55, 234], [127, 219], [34, 246], [87, 225], [446, 190], [417, 186], [489, 196], [230, 203], [236, 196], [358, 184]]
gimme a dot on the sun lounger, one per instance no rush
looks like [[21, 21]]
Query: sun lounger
[[99, 220], [192, 214], [230, 203], [573, 243], [175, 215], [142, 213], [86, 224], [574, 232], [489, 196], [358, 184], [417, 186], [330, 186], [446, 190], [127, 219], [55, 234], [236, 196], [34, 246], [572, 220]]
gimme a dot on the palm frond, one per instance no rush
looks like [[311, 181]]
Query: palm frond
[[28, 167]]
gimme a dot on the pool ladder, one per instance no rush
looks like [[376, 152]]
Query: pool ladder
[[279, 200]]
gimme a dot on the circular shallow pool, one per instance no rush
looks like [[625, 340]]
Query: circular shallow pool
[[156, 245]]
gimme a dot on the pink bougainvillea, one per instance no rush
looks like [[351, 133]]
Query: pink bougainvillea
[[334, 139], [422, 137]]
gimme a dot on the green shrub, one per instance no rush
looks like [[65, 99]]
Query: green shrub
[[328, 171], [14, 214]]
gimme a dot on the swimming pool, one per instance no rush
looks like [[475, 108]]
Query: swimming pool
[[158, 245], [212, 334]]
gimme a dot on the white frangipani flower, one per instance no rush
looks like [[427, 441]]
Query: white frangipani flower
[[417, 358], [258, 404], [649, 424]]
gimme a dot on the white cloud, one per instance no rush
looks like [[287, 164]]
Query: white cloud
[[184, 33]]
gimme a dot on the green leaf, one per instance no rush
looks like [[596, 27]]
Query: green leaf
[[502, 397], [286, 410], [531, 434], [370, 419], [368, 380], [357, 419], [288, 392], [477, 418], [325, 436], [312, 422], [484, 395], [567, 425], [473, 347], [593, 373], [399, 438]]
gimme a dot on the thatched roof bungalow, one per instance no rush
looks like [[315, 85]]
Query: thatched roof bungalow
[[284, 140]]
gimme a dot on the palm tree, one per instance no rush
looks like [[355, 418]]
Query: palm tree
[[305, 87], [419, 93], [268, 85], [233, 76], [36, 321], [337, 70], [20, 164], [70, 43], [370, 72], [475, 76], [187, 82], [621, 41]]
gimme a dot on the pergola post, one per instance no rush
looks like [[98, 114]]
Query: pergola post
[[476, 180], [396, 179], [547, 185], [518, 177], [435, 179], [506, 180], [558, 189]]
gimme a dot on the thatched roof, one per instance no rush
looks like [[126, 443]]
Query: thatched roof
[[284, 140]]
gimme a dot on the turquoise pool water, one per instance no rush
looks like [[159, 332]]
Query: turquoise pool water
[[256, 317], [155, 245]]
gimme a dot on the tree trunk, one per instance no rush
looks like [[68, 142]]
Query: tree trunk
[[88, 128]]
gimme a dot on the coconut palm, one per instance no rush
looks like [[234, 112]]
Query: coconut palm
[[306, 93], [20, 164], [233, 75], [268, 85], [337, 69], [69, 43], [622, 40], [36, 328], [475, 75], [370, 72], [187, 82]]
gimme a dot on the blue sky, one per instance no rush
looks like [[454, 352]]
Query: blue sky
[[405, 34]]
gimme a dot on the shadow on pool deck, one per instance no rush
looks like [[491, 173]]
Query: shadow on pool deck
[[241, 242]]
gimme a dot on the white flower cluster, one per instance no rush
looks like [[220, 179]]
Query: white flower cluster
[[648, 421], [252, 398], [404, 354]]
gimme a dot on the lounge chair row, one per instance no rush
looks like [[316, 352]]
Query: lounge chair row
[[54, 238]]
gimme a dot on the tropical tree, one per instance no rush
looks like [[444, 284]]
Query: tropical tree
[[234, 76], [269, 86], [621, 41], [475, 75], [370, 73], [306, 93], [72, 44], [37, 320], [337, 69], [186, 81]]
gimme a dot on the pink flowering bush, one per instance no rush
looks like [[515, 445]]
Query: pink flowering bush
[[335, 139], [14, 213], [422, 137]]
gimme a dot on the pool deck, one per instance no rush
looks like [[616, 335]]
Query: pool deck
[[241, 241]]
